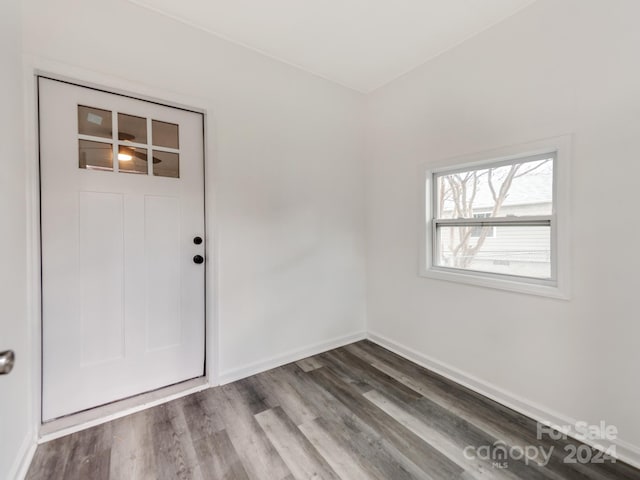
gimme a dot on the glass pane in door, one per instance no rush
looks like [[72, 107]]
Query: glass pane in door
[[132, 160], [165, 134], [94, 121], [166, 164], [132, 128], [95, 155]]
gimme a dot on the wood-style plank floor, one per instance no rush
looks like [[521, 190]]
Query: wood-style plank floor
[[357, 412]]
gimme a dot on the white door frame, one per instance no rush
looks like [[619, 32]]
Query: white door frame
[[32, 68]]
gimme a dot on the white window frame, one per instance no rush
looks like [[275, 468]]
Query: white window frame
[[558, 285]]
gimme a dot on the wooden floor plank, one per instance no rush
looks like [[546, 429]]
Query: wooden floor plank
[[345, 374], [89, 454], [343, 462], [202, 413], [174, 451], [359, 368], [497, 421], [476, 468], [218, 458], [308, 364], [254, 395], [249, 440], [296, 450], [293, 402], [132, 452], [380, 458], [357, 412], [420, 453], [50, 459]]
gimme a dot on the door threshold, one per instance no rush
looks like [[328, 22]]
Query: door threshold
[[105, 413]]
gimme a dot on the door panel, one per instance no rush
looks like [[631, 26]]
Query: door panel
[[122, 197], [162, 249], [101, 296]]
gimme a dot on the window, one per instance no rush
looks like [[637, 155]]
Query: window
[[495, 222], [97, 143]]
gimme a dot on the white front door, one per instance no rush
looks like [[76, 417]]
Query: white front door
[[122, 206]]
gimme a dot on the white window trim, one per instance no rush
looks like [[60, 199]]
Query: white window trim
[[559, 286]]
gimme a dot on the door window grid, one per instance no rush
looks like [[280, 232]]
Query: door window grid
[[132, 157]]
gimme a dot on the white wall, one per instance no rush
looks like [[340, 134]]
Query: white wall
[[16, 431], [286, 152], [558, 67], [286, 148]]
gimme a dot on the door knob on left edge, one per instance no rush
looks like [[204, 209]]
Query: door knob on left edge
[[7, 359], [198, 259]]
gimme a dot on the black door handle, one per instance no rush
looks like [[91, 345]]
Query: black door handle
[[197, 240], [198, 259], [7, 359]]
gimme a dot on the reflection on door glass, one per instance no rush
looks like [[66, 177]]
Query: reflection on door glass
[[94, 122], [132, 129], [166, 164], [165, 134], [132, 160], [95, 155]]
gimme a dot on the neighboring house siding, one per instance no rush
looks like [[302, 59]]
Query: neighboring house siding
[[520, 250]]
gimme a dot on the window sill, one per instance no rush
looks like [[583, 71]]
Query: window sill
[[479, 280]]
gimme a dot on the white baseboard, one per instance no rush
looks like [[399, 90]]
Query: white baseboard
[[288, 357], [23, 458], [625, 451]]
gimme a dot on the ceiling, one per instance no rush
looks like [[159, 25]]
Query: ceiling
[[361, 44]]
